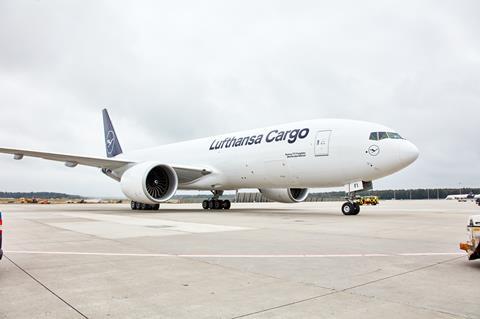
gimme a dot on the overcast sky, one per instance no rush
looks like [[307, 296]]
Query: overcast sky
[[175, 70]]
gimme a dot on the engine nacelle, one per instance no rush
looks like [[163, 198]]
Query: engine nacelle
[[285, 195], [149, 183]]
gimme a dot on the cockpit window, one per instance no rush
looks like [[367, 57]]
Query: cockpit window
[[395, 136], [375, 136]]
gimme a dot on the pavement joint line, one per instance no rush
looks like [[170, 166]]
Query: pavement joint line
[[236, 255], [44, 286], [345, 289], [249, 271], [285, 305], [409, 305], [402, 273]]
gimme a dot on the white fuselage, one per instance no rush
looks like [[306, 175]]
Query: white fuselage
[[315, 153]]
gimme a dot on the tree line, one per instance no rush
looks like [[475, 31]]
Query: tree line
[[47, 195]]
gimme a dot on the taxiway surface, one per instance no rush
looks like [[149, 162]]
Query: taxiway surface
[[265, 260]]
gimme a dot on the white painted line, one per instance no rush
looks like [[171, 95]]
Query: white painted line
[[231, 255], [430, 254], [86, 253]]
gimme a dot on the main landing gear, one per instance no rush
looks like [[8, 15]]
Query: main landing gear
[[351, 207], [216, 203], [142, 206]]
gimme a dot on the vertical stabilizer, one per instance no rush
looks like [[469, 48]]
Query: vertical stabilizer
[[112, 145]]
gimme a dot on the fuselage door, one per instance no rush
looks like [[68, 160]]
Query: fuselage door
[[322, 143]]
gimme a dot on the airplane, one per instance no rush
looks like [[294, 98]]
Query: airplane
[[282, 161], [464, 197]]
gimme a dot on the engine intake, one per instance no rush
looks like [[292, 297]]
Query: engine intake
[[157, 182], [285, 195], [149, 183]]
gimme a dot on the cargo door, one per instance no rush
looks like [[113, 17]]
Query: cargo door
[[322, 143]]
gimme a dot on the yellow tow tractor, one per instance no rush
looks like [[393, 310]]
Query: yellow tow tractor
[[24, 200], [367, 200], [472, 246]]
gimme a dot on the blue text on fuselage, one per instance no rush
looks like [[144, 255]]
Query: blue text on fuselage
[[291, 136]]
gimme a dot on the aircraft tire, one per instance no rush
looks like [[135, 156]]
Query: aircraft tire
[[205, 204], [227, 204], [133, 205], [347, 208], [211, 204], [217, 204], [356, 209]]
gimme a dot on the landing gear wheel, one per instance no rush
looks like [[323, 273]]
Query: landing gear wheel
[[217, 204], [141, 206], [226, 204], [205, 204], [348, 209], [211, 204], [356, 209]]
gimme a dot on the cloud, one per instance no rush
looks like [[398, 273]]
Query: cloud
[[174, 71]]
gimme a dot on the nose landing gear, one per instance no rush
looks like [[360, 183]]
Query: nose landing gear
[[350, 207], [215, 202]]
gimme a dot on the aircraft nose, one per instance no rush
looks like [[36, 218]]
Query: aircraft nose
[[409, 153]]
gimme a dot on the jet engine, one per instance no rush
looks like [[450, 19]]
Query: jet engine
[[285, 195], [149, 183]]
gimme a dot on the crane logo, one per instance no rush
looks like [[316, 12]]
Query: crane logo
[[110, 141], [373, 150]]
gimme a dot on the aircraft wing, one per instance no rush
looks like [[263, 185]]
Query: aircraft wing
[[70, 160], [185, 174]]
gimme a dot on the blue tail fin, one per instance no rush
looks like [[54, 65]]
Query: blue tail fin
[[112, 145]]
